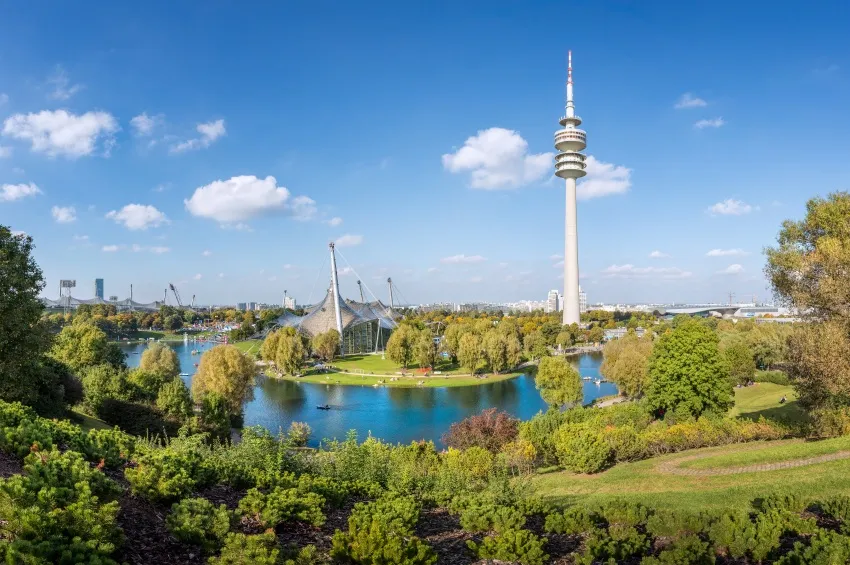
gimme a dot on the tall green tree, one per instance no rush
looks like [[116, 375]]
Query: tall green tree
[[23, 339], [451, 338], [400, 346], [535, 345], [739, 359], [160, 359], [225, 371], [425, 349], [687, 373], [290, 353], [496, 350], [326, 345], [559, 382], [625, 362], [513, 351], [470, 352], [83, 345]]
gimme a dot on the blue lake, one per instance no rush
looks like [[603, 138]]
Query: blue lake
[[393, 414]]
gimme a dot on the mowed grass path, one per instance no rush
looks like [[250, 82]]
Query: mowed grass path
[[642, 481]]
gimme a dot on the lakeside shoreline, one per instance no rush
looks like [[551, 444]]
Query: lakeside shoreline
[[402, 381]]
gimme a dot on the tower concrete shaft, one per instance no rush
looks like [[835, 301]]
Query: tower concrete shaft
[[570, 165]]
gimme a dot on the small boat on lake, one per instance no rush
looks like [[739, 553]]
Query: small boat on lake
[[325, 407]]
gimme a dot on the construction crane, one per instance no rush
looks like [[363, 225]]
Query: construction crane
[[176, 294]]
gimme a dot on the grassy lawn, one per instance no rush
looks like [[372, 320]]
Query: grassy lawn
[[250, 346], [377, 365], [86, 422], [762, 399], [771, 452], [641, 481], [407, 381]]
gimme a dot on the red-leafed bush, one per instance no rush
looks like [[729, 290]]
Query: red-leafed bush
[[491, 429]]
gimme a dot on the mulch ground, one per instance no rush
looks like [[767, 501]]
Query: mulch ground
[[9, 465]]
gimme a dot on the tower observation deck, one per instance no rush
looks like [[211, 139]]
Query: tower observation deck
[[570, 164]]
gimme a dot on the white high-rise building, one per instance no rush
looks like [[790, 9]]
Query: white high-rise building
[[582, 300], [570, 165], [552, 302], [289, 302]]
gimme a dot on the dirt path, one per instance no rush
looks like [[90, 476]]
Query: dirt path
[[672, 467]]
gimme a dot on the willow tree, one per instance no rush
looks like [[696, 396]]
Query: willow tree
[[400, 346], [559, 382], [470, 352]]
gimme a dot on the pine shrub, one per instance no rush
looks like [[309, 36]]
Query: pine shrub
[[198, 521], [514, 545], [283, 505], [241, 549]]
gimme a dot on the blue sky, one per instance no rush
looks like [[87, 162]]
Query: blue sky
[[220, 146]]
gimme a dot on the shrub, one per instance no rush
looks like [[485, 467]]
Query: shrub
[[674, 524], [491, 430], [18, 440], [830, 422], [825, 548], [582, 449], [736, 535], [486, 516], [240, 549], [13, 413], [775, 377], [102, 382], [780, 503], [625, 442], [838, 508], [299, 433], [690, 550], [283, 505], [381, 532], [572, 521], [615, 545], [168, 474], [198, 521], [540, 431], [519, 546], [307, 555], [135, 418], [113, 447]]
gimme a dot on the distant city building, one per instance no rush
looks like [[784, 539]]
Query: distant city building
[[582, 300], [113, 298], [289, 302], [98, 288], [240, 306], [250, 306], [552, 302]]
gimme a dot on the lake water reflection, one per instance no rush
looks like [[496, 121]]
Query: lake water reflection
[[393, 414]]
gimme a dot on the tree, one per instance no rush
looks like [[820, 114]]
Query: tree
[[469, 352], [451, 338], [739, 359], [82, 345], [596, 334], [268, 351], [565, 338], [225, 371], [425, 349], [490, 430], [808, 268], [558, 382], [513, 351], [496, 350], [23, 338], [535, 345], [819, 362], [161, 360], [400, 346], [626, 363], [687, 373], [174, 400], [326, 345], [769, 344], [290, 353]]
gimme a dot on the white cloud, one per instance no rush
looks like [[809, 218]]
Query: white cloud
[[345, 271], [154, 249], [5, 152], [144, 125], [221, 275], [502, 265], [555, 256], [64, 215], [433, 269], [726, 252], [62, 87], [335, 221], [498, 158], [688, 100], [288, 266], [272, 278], [198, 277], [559, 264], [476, 279], [60, 132], [629, 271], [81, 238], [206, 253], [349, 240], [138, 217], [603, 179], [658, 255], [732, 270], [237, 199], [11, 192], [110, 248], [303, 208], [209, 131], [712, 123], [730, 207], [457, 259]]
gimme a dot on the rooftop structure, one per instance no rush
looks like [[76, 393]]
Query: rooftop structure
[[570, 165]]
